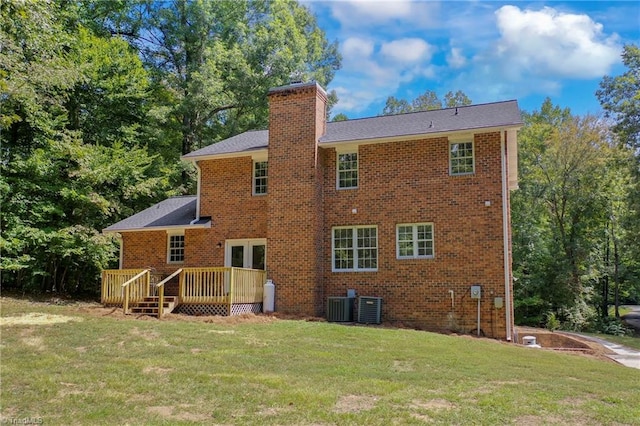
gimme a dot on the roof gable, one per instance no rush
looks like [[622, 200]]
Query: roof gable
[[173, 212]]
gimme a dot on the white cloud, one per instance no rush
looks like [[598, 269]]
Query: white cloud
[[407, 50], [357, 47], [367, 13], [554, 44], [455, 58]]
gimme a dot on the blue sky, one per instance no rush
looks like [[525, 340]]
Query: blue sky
[[491, 50]]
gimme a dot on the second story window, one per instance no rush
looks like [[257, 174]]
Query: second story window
[[347, 170], [260, 177], [461, 158]]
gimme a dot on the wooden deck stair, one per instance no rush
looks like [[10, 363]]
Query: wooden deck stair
[[149, 306]]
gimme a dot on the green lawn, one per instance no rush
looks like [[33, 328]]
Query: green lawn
[[629, 341], [105, 370], [623, 310]]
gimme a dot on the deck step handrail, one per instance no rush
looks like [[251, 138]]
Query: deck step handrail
[[160, 290], [139, 295], [112, 280]]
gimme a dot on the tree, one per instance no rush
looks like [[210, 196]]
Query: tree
[[620, 98], [563, 214], [427, 101], [218, 60], [340, 117], [74, 152], [452, 100]]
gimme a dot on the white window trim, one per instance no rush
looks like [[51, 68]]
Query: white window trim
[[253, 177], [343, 152], [355, 249], [415, 241], [175, 233], [473, 156]]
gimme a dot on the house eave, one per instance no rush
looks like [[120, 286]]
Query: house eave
[[159, 228], [259, 153]]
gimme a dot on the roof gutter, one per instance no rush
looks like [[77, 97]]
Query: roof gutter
[[194, 221]]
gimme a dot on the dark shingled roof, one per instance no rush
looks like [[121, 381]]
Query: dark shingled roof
[[172, 212], [460, 119], [499, 114], [244, 142]]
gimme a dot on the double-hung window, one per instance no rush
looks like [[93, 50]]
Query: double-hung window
[[260, 177], [175, 248], [414, 241], [461, 158], [347, 170], [354, 248]]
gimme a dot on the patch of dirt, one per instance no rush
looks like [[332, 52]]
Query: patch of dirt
[[157, 370], [169, 413], [34, 342], [573, 420], [355, 403], [36, 318], [402, 366], [574, 345], [432, 404]]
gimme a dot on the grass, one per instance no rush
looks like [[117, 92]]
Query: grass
[[623, 310], [108, 370], [629, 341]]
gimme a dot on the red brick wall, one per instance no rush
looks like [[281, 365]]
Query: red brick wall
[[409, 182], [295, 232], [400, 182], [146, 250], [235, 213]]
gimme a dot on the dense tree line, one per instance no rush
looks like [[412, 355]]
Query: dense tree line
[[576, 216], [99, 100]]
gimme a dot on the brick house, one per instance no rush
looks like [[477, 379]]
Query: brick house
[[412, 209]]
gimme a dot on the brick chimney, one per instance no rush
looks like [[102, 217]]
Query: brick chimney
[[297, 119]]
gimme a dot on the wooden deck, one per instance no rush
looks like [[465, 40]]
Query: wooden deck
[[216, 291]]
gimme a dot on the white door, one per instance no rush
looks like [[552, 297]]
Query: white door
[[246, 253]]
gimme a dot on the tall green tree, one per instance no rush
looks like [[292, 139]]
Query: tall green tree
[[74, 155], [620, 98], [217, 60], [563, 214]]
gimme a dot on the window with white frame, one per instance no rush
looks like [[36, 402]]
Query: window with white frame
[[355, 248], [461, 158], [175, 248], [347, 170], [260, 169], [414, 241]]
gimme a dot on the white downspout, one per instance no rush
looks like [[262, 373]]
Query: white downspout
[[505, 233], [197, 194], [121, 256]]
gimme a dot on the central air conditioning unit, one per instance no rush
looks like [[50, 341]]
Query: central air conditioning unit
[[369, 310], [340, 309]]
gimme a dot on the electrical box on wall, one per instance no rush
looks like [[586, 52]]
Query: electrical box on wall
[[475, 292]]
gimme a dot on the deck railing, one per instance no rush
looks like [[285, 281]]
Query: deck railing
[[221, 285], [112, 281], [159, 291], [136, 289]]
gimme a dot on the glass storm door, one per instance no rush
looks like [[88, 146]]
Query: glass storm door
[[246, 253]]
